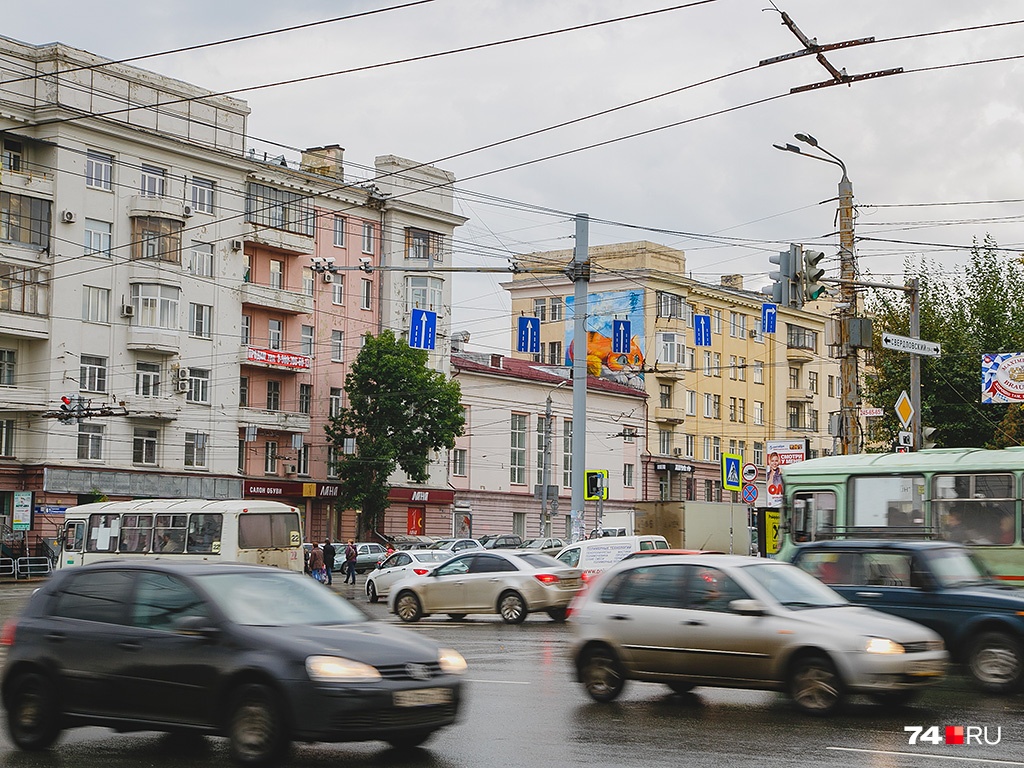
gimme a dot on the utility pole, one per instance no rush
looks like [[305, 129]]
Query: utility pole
[[848, 311], [545, 475], [914, 297], [578, 272]]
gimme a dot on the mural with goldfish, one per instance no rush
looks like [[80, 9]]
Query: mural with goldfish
[[622, 367]]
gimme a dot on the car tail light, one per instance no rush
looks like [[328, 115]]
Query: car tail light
[[546, 578], [7, 633], [421, 571]]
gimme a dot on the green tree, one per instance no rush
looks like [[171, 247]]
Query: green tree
[[1010, 430], [972, 310], [398, 412]]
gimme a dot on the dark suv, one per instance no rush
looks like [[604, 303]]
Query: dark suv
[[936, 583], [260, 655], [502, 541]]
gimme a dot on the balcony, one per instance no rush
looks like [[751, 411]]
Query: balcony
[[673, 415], [280, 239], [277, 298], [160, 207], [799, 354], [799, 394], [165, 408], [25, 326], [160, 340], [35, 183], [280, 421], [31, 399]]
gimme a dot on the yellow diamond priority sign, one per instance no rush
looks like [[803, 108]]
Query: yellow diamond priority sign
[[904, 409]]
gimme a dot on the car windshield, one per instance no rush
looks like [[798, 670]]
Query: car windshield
[[954, 567], [534, 544], [274, 598], [429, 556], [792, 587]]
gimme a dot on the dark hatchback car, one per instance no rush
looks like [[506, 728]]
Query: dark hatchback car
[[936, 583], [259, 655]]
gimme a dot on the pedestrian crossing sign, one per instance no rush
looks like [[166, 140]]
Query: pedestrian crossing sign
[[731, 480]]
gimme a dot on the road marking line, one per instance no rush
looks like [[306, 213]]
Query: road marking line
[[925, 754], [499, 682]]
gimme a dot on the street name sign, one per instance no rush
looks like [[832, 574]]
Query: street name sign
[[913, 346]]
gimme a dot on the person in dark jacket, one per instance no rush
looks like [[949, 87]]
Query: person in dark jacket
[[329, 555]]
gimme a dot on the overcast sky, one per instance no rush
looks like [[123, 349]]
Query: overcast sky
[[937, 133]]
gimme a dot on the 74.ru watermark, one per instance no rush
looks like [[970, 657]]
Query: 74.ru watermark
[[954, 734]]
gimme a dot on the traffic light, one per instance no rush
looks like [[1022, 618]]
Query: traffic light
[[68, 406], [785, 288], [926, 437], [597, 484], [811, 274]]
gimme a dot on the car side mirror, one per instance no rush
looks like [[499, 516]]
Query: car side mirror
[[748, 607], [196, 625]]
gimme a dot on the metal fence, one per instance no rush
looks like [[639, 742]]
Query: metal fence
[[24, 567]]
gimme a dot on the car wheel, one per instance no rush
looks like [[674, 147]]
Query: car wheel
[[408, 608], [895, 698], [371, 592], [33, 717], [814, 686], [558, 614], [257, 734], [602, 675], [456, 616], [512, 608], [409, 740], [995, 662], [680, 687]]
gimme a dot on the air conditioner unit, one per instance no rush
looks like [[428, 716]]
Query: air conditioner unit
[[677, 451], [68, 217], [127, 310], [753, 334], [181, 386], [187, 210], [290, 469], [183, 374], [328, 277], [236, 245]]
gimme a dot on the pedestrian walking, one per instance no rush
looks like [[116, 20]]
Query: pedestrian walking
[[329, 555], [350, 561], [316, 563]]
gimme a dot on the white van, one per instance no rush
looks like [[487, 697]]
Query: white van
[[595, 555]]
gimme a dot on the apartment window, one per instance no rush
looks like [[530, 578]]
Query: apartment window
[[337, 346], [270, 457], [718, 365], [517, 455], [198, 386], [200, 320], [420, 244], [246, 329], [665, 395], [812, 420], [758, 331], [201, 259], [734, 324], [708, 370], [195, 449], [271, 207], [542, 422], [741, 369], [423, 293], [333, 461], [308, 281], [336, 401], [566, 453], [339, 231], [275, 333], [95, 304], [366, 294], [338, 289], [758, 372], [367, 237], [273, 395], [741, 410], [691, 402], [459, 462], [556, 306], [98, 170], [156, 306], [555, 353], [831, 386], [152, 181], [708, 408], [716, 321], [540, 309], [25, 219], [690, 443], [707, 449], [97, 238], [90, 441], [732, 367], [11, 158], [303, 460], [758, 413], [670, 348], [147, 379], [688, 312], [305, 398], [716, 406], [92, 374], [669, 305], [665, 442], [794, 378], [629, 435], [144, 445], [732, 409], [716, 449], [276, 273], [794, 414], [627, 475], [812, 381], [7, 438], [202, 195], [306, 342], [664, 490], [801, 338], [243, 392], [758, 454], [156, 238]]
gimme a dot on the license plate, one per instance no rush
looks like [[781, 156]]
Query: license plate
[[925, 668], [422, 697]]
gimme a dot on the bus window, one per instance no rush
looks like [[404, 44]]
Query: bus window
[[103, 531], [204, 533], [882, 501], [170, 533], [136, 533], [74, 536], [814, 515], [266, 530], [976, 509]]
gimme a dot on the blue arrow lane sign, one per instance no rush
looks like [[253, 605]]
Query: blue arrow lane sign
[[769, 314], [621, 333], [528, 338], [702, 330], [423, 329]]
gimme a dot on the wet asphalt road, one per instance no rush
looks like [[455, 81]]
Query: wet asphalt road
[[524, 710]]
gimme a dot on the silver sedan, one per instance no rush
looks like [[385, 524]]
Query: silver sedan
[[511, 583], [398, 566]]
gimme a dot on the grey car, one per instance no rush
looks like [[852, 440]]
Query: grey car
[[743, 622]]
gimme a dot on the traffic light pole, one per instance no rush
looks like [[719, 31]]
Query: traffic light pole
[[848, 310], [579, 272]]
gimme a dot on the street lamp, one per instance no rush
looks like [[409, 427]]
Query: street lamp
[[545, 475], [848, 309]]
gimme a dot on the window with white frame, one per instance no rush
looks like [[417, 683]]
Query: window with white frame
[[716, 449], [367, 237], [201, 259], [303, 460], [708, 370], [758, 454], [99, 168], [716, 321], [741, 369], [97, 237], [95, 304], [689, 310], [336, 401], [144, 445], [273, 395], [202, 195], [200, 321], [670, 348], [337, 346], [339, 231], [333, 460], [758, 372], [758, 413], [90, 441], [306, 341], [156, 306], [557, 306], [716, 406], [421, 244], [542, 424], [812, 381], [566, 453], [718, 364], [691, 402], [308, 281], [734, 324], [7, 438], [758, 331], [366, 294], [707, 449], [276, 273], [147, 379], [732, 409], [423, 293], [460, 462], [627, 475], [198, 385], [7, 367], [629, 435], [270, 457], [741, 410], [338, 289], [92, 374], [732, 367], [246, 329], [665, 442], [152, 181], [555, 353], [275, 333], [690, 446], [195, 449], [669, 305], [517, 452]]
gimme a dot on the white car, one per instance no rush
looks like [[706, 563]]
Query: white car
[[399, 565], [454, 546], [508, 582]]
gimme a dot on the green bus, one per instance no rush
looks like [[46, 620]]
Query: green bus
[[970, 495]]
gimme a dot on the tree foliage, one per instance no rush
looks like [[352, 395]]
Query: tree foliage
[[975, 309], [398, 411]]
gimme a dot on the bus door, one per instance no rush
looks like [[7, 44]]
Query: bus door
[[74, 544]]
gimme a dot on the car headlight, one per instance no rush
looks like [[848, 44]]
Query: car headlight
[[334, 669], [882, 645], [451, 661]]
